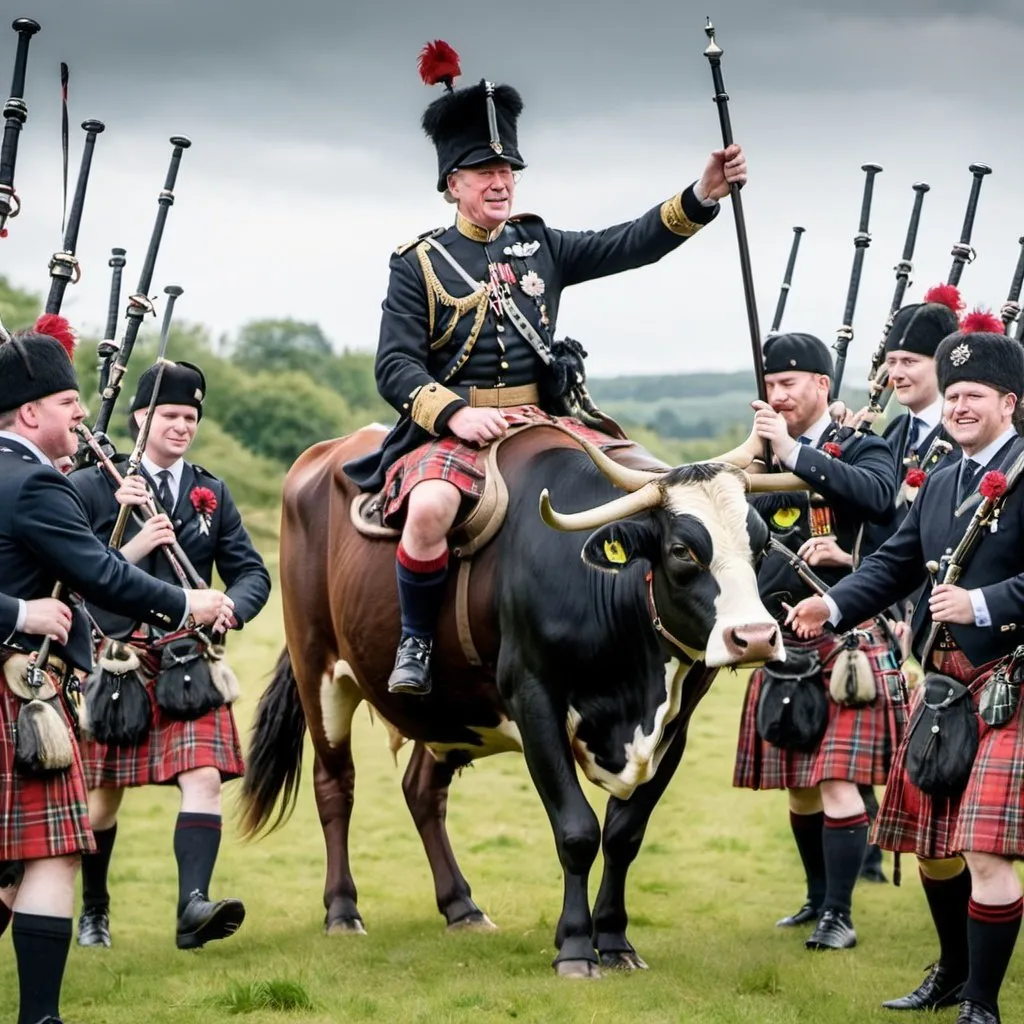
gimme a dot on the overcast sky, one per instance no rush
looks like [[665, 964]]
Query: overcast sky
[[308, 165]]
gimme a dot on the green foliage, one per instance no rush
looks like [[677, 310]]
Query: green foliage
[[281, 995], [18, 309]]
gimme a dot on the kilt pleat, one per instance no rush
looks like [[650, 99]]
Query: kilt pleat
[[39, 817], [909, 821], [171, 748], [859, 742]]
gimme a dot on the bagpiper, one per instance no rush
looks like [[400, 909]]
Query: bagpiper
[[45, 537], [960, 816], [467, 345], [200, 753], [853, 480]]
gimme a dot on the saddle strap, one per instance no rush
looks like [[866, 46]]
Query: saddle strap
[[462, 614]]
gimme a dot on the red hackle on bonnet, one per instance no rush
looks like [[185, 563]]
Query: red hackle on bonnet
[[981, 320], [947, 295], [59, 329], [438, 62]]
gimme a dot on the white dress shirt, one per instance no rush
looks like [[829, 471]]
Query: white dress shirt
[[931, 416], [175, 469], [814, 433]]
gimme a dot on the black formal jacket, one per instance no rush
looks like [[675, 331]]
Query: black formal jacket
[[857, 486], [874, 535], [226, 544], [8, 616], [45, 536], [438, 336], [931, 530]]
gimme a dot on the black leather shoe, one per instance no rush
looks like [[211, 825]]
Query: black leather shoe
[[834, 931], [938, 990], [94, 928], [974, 1013], [411, 673], [203, 920], [805, 915]]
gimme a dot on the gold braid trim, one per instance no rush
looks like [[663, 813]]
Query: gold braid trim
[[429, 402], [436, 292], [673, 216]]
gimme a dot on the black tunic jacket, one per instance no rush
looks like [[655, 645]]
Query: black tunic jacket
[[438, 336]]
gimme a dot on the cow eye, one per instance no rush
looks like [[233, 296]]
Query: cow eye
[[683, 553]]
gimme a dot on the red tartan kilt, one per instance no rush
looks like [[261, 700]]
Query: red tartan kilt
[[172, 747], [910, 821], [858, 744], [464, 465], [39, 817]]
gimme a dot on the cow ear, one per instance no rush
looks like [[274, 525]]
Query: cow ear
[[617, 545]]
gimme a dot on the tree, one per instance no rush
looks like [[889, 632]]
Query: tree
[[18, 309], [279, 345]]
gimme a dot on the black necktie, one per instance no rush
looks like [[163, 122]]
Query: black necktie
[[163, 491], [803, 439], [913, 433], [968, 468]]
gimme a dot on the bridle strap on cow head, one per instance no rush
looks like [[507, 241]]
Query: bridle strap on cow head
[[659, 626]]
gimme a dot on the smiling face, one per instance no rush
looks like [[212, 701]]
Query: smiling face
[[800, 396], [976, 414], [913, 379], [171, 432], [484, 194]]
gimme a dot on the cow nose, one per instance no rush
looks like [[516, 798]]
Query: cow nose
[[755, 642]]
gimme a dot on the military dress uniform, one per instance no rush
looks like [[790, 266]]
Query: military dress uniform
[[469, 320], [854, 482], [987, 817], [210, 531]]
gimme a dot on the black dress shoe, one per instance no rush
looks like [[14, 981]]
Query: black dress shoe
[[411, 673], [94, 928], [974, 1013], [939, 989], [805, 915], [204, 920], [834, 931]]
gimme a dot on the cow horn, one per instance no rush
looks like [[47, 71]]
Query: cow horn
[[648, 496], [742, 456], [765, 483], [616, 473]]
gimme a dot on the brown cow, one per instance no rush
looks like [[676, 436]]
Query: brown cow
[[574, 660]]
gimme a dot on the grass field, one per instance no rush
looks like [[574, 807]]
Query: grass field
[[716, 871]]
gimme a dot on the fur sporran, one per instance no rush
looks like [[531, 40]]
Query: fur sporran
[[17, 668], [852, 682], [43, 747], [792, 710], [943, 738], [1001, 694], [118, 711], [185, 689]]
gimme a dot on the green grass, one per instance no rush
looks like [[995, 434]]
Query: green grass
[[717, 870]]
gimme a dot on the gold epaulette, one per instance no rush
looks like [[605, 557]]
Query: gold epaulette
[[406, 246]]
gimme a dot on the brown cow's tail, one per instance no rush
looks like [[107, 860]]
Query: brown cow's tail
[[274, 765]]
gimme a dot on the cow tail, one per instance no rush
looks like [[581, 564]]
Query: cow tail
[[274, 764]]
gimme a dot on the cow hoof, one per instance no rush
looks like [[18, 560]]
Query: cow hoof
[[623, 960], [345, 926], [583, 970], [478, 922]]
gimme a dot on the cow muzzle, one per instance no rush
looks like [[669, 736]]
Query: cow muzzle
[[751, 643]]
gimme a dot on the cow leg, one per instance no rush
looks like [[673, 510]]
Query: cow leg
[[624, 826], [334, 787], [576, 828], [425, 785]]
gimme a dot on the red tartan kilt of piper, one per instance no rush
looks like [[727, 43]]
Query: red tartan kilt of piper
[[171, 748], [858, 744], [39, 817], [464, 465], [910, 821]]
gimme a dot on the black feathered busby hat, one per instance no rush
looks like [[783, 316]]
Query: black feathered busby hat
[[787, 352], [33, 365], [468, 126], [181, 384], [980, 352], [920, 326]]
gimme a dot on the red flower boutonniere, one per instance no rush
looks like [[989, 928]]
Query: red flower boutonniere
[[993, 485], [204, 501], [915, 477], [831, 448]]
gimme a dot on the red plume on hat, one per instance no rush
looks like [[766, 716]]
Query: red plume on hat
[[439, 62], [947, 295], [59, 329], [981, 320]]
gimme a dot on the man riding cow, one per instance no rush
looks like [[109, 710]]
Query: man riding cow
[[466, 343]]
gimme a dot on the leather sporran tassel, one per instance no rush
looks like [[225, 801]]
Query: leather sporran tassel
[[118, 711], [222, 675], [43, 746], [852, 682]]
